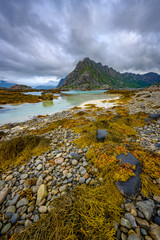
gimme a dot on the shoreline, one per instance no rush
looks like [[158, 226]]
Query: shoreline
[[67, 164], [104, 103]]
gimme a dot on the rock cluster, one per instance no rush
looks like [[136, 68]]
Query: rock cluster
[[141, 220], [29, 190]]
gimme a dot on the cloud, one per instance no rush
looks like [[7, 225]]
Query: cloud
[[45, 39]]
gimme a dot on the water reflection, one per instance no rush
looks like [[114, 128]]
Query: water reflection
[[47, 103]]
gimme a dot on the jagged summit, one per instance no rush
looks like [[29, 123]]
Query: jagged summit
[[91, 75]]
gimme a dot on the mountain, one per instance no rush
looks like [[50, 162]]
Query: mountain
[[48, 85], [20, 87], [61, 82], [6, 84], [91, 75]]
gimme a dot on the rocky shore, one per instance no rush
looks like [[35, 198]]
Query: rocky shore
[[28, 191]]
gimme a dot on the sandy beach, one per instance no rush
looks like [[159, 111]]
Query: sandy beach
[[105, 103]]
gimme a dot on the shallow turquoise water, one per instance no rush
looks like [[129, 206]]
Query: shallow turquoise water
[[22, 112]]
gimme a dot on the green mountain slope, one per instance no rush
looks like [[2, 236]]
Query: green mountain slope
[[91, 75]]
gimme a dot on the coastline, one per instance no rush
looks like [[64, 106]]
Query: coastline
[[69, 163], [101, 103]]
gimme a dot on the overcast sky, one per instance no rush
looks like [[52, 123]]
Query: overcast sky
[[42, 40]]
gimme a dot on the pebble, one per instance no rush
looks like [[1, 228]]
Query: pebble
[[42, 193], [146, 207], [22, 202], [42, 209], [126, 223], [6, 228], [82, 180], [3, 194], [28, 223], [15, 218]]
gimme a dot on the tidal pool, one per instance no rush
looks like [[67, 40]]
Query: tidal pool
[[11, 113]]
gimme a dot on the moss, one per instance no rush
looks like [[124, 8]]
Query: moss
[[20, 149]]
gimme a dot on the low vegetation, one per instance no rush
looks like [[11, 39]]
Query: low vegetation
[[9, 97], [89, 212], [20, 149]]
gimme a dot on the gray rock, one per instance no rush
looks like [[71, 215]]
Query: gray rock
[[154, 231], [75, 156], [15, 199], [24, 176], [142, 223], [10, 211], [74, 162], [83, 172], [132, 187], [39, 180], [36, 218], [42, 209], [6, 228], [88, 180], [3, 194], [133, 236], [101, 134], [154, 116], [132, 220], [146, 207], [143, 231], [28, 223], [22, 202], [63, 188], [69, 175], [2, 184], [123, 236], [22, 168], [126, 223], [42, 193], [15, 218], [39, 167], [82, 180]]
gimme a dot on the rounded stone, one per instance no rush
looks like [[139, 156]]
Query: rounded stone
[[28, 223], [15, 218], [42, 209], [74, 162], [22, 202], [82, 180], [6, 228], [125, 223]]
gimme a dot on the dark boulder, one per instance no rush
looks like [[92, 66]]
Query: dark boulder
[[132, 187], [101, 134], [154, 116]]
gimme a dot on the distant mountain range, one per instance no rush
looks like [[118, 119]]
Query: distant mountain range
[[6, 84], [91, 75], [48, 85]]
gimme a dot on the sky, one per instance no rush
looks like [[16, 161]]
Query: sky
[[43, 40]]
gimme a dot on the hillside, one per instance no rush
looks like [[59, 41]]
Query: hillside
[[91, 75], [20, 87]]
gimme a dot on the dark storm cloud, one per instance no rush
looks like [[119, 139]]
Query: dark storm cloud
[[44, 39]]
